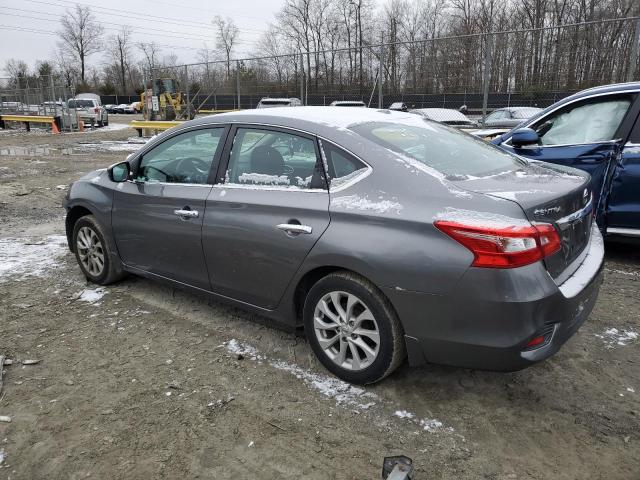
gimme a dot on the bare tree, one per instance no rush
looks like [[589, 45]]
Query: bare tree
[[80, 35], [226, 37], [150, 51], [119, 51]]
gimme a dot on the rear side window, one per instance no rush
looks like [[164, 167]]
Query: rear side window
[[445, 149], [341, 166], [272, 158], [590, 122]]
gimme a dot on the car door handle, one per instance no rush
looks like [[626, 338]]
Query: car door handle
[[186, 213], [294, 228]]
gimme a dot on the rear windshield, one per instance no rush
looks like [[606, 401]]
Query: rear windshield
[[80, 103], [275, 102], [452, 153], [526, 113]]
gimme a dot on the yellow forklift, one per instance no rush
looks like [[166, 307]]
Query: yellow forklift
[[163, 101]]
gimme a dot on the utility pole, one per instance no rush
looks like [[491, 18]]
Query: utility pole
[[238, 81], [488, 40], [381, 72], [633, 54]]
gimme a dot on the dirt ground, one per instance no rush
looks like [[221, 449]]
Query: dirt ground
[[140, 381]]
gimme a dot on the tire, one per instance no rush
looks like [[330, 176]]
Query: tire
[[100, 123], [106, 121], [87, 231], [343, 287]]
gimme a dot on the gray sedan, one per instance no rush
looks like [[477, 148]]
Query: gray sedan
[[382, 234]]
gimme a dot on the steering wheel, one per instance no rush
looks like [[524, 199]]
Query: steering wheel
[[193, 163]]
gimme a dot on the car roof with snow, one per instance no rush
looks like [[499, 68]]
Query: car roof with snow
[[329, 117]]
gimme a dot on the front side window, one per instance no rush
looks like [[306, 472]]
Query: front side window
[[590, 122], [275, 159], [185, 158], [445, 149]]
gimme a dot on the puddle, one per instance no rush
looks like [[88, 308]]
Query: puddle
[[34, 151], [130, 145]]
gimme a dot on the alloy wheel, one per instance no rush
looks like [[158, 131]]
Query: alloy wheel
[[90, 251], [346, 330]]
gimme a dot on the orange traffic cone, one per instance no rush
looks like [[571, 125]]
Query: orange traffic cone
[[54, 127]]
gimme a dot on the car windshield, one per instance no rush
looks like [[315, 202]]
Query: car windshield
[[450, 152], [80, 103]]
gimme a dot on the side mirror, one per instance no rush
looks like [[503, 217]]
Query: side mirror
[[119, 172], [523, 137]]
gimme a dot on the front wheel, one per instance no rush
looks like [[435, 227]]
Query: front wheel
[[92, 252], [353, 329]]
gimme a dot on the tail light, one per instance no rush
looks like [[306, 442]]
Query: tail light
[[96, 109], [504, 247]]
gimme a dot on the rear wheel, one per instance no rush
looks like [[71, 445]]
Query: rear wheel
[[92, 252], [353, 329]]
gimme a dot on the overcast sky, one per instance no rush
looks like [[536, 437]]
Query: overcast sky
[[180, 26]]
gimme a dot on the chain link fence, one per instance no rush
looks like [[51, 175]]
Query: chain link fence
[[482, 71], [42, 96]]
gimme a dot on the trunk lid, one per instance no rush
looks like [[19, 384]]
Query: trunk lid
[[550, 194]]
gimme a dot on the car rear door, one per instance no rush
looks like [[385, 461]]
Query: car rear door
[[587, 134], [157, 218], [268, 208]]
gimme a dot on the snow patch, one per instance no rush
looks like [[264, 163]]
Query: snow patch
[[92, 296], [342, 392], [1, 456], [613, 337], [22, 257], [263, 179], [480, 219], [114, 126], [245, 350], [356, 202], [403, 414]]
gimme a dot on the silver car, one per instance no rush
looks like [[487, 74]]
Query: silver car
[[509, 117], [383, 234]]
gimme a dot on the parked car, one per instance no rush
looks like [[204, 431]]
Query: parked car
[[126, 108], [383, 234], [89, 109], [348, 103], [509, 117], [110, 108], [446, 116], [399, 106], [136, 107], [278, 102], [598, 131]]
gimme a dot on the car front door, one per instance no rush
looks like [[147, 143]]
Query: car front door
[[264, 215], [623, 209], [586, 134], [157, 217]]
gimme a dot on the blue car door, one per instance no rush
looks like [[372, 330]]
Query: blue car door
[[623, 208], [587, 134]]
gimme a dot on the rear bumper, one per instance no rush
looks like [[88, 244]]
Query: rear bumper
[[492, 315]]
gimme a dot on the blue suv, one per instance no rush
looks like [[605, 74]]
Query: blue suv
[[596, 130]]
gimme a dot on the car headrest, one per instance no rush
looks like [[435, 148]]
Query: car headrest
[[267, 160]]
